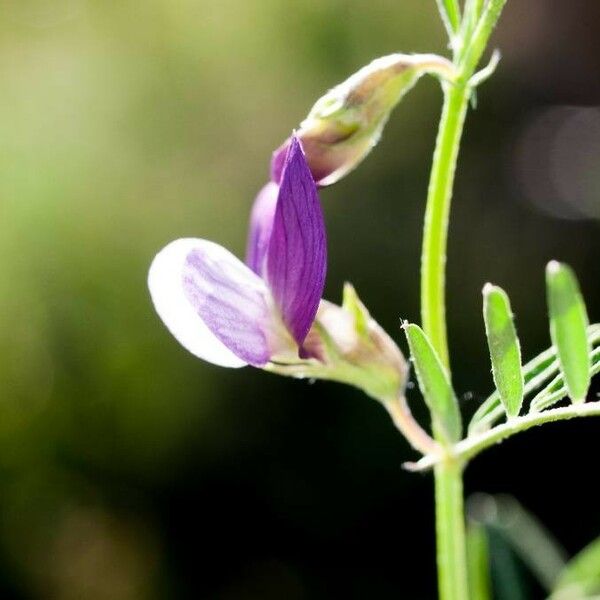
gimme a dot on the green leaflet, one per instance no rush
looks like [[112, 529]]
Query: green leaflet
[[568, 324], [536, 372], [450, 13], [581, 577], [505, 351], [555, 391], [434, 383]]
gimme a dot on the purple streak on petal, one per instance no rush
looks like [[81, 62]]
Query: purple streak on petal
[[231, 300], [297, 254], [261, 224]]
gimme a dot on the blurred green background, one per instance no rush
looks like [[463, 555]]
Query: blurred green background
[[131, 470]]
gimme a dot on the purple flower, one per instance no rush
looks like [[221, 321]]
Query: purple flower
[[233, 314]]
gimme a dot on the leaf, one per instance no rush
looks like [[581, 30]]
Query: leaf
[[536, 372], [528, 538], [478, 563], [581, 576], [568, 324], [505, 351], [507, 572], [434, 383], [450, 13], [555, 391]]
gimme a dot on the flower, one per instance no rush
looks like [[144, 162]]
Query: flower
[[268, 312], [346, 123], [235, 314]]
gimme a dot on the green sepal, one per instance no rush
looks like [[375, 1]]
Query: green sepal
[[346, 344], [352, 303]]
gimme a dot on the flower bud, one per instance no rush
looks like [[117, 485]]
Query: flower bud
[[348, 346], [347, 122]]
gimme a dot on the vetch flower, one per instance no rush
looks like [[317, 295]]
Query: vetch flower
[[346, 123], [233, 314], [268, 313]]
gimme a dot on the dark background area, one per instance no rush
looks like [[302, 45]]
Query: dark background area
[[131, 470]]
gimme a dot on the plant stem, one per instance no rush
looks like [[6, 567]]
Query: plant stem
[[435, 233], [450, 526], [468, 49], [408, 426], [450, 531], [468, 448]]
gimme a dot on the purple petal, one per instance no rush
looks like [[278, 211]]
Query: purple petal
[[180, 317], [297, 253], [261, 224], [213, 304]]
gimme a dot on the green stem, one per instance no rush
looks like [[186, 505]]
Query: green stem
[[408, 426], [450, 523], [470, 447], [450, 526], [435, 234], [450, 532]]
